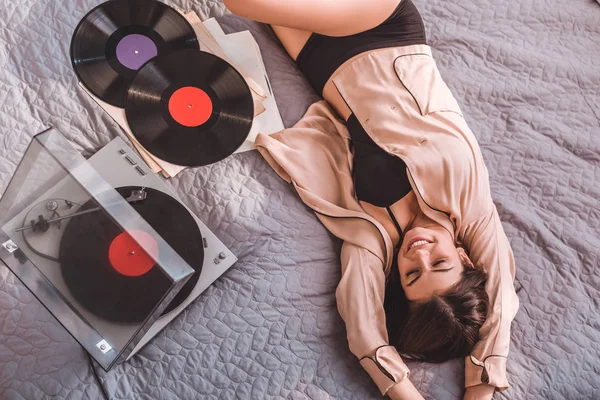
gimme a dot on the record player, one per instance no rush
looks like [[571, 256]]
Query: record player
[[104, 244]]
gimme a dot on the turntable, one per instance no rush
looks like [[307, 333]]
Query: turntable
[[104, 244]]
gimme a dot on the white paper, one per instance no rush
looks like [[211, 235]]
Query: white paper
[[210, 45], [242, 48]]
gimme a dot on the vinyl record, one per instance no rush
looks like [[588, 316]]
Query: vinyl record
[[116, 38], [189, 108], [107, 272]]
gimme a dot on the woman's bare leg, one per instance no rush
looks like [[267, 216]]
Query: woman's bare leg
[[327, 17], [293, 21]]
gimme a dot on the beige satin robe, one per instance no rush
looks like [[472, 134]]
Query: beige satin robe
[[400, 99]]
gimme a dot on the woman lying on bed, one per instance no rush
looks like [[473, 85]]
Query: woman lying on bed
[[390, 166]]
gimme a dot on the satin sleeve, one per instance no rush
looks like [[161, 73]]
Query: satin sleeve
[[489, 248], [360, 296]]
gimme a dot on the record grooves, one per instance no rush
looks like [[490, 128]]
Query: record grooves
[[94, 251], [116, 38], [189, 108]]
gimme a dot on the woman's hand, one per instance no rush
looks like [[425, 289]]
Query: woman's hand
[[404, 390], [479, 392]]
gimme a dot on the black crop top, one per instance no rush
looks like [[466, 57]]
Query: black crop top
[[322, 55], [379, 178]]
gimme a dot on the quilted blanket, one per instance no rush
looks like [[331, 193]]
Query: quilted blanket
[[526, 74]]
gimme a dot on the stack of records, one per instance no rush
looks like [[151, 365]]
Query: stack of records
[[181, 97]]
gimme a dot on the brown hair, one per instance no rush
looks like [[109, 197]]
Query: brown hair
[[444, 327]]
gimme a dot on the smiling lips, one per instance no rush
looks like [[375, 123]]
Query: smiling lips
[[416, 242], [419, 243]]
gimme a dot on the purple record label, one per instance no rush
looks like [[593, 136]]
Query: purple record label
[[134, 50]]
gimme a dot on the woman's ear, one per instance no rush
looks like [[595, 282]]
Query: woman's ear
[[464, 258]]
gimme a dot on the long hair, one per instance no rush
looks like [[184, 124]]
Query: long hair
[[442, 328]]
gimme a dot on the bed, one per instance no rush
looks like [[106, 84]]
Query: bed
[[526, 75]]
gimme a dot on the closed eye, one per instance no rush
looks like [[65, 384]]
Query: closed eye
[[439, 262], [411, 273], [435, 270]]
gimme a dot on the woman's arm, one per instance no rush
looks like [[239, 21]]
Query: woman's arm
[[360, 296], [489, 247], [327, 17]]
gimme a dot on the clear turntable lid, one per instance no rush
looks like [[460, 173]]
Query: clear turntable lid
[[86, 250]]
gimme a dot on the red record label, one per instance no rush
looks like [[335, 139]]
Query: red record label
[[129, 258], [190, 106]]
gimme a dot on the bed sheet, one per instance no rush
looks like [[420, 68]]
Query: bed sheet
[[526, 75]]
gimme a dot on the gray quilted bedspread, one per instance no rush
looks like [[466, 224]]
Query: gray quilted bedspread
[[527, 75]]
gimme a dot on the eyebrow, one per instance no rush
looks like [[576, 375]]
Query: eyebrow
[[435, 270]]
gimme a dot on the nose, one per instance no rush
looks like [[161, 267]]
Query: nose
[[421, 256]]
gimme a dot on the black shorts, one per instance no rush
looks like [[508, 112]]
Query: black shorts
[[322, 55]]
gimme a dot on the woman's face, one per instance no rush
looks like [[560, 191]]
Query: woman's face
[[428, 262]]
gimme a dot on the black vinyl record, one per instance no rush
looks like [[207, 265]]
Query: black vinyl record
[[189, 108], [100, 286], [116, 38]]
